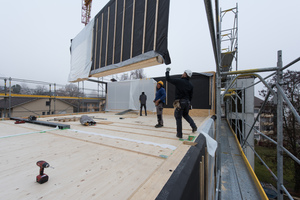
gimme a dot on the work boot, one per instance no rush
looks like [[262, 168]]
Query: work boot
[[194, 129], [179, 136], [158, 125]]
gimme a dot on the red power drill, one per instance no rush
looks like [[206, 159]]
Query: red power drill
[[42, 178]]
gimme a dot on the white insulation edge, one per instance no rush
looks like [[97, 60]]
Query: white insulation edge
[[127, 139]]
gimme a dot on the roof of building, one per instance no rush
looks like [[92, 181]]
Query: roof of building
[[257, 102], [15, 101]]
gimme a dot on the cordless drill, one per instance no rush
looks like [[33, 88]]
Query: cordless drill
[[42, 178]]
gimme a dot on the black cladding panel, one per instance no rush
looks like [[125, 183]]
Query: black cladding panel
[[124, 31]]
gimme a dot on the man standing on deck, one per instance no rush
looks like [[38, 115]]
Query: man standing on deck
[[183, 97], [143, 99], [160, 99]]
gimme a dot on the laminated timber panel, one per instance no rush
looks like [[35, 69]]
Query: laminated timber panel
[[143, 64], [192, 113]]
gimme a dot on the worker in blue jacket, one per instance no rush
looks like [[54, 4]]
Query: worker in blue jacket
[[160, 100], [183, 98]]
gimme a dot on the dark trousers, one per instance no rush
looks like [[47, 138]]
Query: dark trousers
[[183, 112], [159, 112], [143, 105]]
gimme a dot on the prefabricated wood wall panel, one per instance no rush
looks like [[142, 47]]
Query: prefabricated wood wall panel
[[125, 29]]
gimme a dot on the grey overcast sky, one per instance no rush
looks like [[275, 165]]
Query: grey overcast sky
[[35, 36]]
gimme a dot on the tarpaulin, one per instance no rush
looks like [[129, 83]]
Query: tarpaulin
[[81, 54], [125, 95]]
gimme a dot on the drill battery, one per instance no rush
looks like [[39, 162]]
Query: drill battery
[[42, 178]]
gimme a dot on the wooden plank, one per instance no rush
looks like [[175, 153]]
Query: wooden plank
[[155, 26], [134, 66], [101, 40], [132, 28], [192, 113], [115, 27], [153, 185], [190, 143], [122, 36], [105, 122], [96, 42], [107, 32], [144, 31]]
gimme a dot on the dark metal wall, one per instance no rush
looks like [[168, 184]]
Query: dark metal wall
[[202, 95]]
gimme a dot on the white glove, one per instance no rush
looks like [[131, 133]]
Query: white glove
[[168, 69]]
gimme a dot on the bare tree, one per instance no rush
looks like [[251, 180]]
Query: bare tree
[[25, 89], [70, 90], [136, 74], [40, 90], [291, 127]]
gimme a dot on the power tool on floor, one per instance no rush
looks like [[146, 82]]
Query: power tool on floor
[[42, 178]]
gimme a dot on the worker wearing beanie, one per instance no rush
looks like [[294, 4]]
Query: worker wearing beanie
[[160, 100], [183, 97]]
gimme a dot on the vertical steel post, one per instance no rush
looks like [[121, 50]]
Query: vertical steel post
[[236, 112], [243, 115], [82, 101], [9, 100], [50, 99], [54, 98], [218, 84], [5, 98], [98, 95], [279, 129], [78, 109], [236, 44]]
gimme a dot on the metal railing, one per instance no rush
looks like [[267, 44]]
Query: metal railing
[[21, 88], [280, 97]]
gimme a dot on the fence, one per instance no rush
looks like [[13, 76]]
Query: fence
[[20, 97]]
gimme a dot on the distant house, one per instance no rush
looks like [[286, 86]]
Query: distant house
[[92, 105], [26, 106], [257, 105], [265, 122]]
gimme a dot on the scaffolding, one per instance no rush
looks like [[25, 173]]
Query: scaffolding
[[88, 100], [234, 96]]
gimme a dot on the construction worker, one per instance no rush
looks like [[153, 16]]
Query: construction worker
[[160, 100], [183, 97], [143, 99]]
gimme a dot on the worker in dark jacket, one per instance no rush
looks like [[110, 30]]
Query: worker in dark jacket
[[143, 99], [160, 100], [183, 97]]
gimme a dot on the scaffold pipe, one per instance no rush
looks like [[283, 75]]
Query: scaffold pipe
[[250, 71]]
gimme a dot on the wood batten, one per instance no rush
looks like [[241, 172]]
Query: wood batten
[[155, 26], [115, 27], [107, 33], [96, 39], [122, 37], [132, 28], [144, 31], [101, 37]]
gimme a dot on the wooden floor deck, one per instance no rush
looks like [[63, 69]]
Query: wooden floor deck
[[122, 157]]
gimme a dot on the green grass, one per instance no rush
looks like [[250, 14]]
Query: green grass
[[269, 156]]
